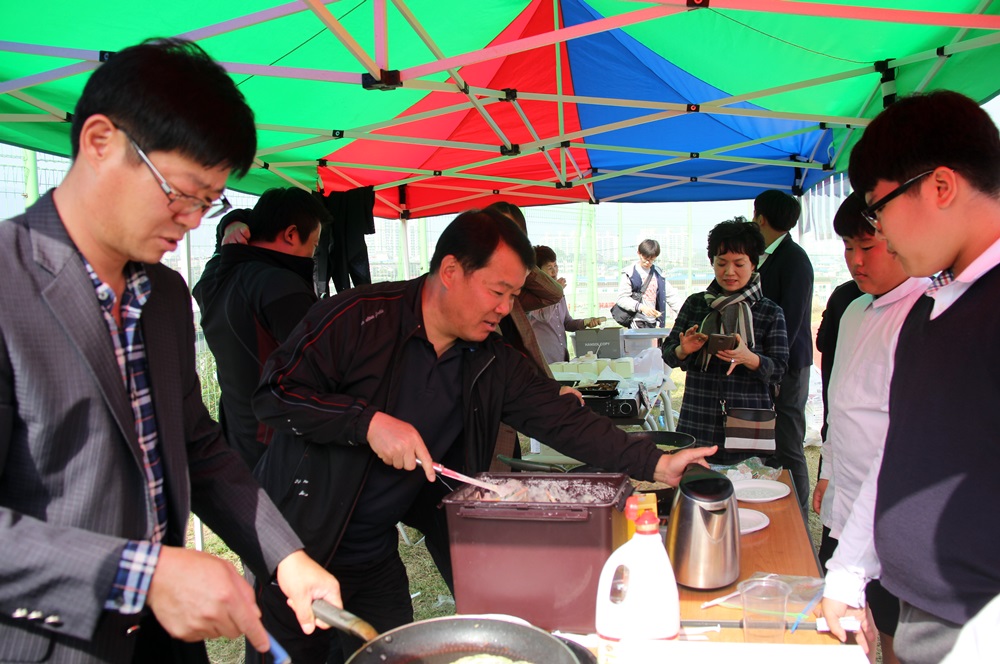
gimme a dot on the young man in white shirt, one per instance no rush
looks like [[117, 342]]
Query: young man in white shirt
[[859, 390], [928, 167]]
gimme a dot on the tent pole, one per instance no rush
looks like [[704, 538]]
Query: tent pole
[[404, 248], [592, 301], [30, 178], [381, 34], [422, 244]]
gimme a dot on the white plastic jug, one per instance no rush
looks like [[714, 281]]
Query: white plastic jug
[[636, 594]]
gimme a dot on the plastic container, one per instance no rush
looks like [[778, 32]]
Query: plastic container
[[643, 501], [537, 561], [637, 596]]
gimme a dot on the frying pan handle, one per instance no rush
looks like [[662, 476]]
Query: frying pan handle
[[343, 620]]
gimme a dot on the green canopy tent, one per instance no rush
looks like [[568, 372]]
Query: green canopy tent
[[444, 105]]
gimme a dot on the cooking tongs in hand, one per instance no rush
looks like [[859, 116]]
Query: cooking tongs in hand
[[455, 475]]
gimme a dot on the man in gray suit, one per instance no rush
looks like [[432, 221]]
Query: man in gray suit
[[105, 445]]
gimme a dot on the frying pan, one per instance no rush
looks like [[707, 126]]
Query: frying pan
[[668, 441], [443, 640]]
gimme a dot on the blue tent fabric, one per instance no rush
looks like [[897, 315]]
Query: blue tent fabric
[[613, 64]]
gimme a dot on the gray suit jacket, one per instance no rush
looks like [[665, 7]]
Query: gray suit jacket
[[72, 487]]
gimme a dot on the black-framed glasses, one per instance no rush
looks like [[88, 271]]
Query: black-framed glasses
[[179, 202], [870, 213]]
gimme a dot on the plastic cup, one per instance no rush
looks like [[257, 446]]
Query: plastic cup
[[764, 605]]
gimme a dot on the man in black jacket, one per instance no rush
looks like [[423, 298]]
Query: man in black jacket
[[251, 297], [786, 276], [379, 377]]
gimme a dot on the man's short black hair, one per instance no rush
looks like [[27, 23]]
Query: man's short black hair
[[168, 95], [848, 221], [474, 235], [510, 210], [649, 249], [781, 209], [920, 132], [737, 236], [544, 255], [280, 208]]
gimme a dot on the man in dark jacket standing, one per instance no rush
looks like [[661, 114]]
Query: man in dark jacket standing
[[786, 276], [251, 297], [379, 377]]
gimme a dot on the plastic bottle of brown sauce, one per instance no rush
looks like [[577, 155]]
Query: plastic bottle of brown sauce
[[637, 596]]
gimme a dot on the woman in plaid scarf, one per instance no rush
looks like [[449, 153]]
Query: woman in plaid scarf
[[733, 304]]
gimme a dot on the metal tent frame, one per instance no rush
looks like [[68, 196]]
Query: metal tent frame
[[528, 145]]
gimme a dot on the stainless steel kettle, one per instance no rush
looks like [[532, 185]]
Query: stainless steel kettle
[[703, 536]]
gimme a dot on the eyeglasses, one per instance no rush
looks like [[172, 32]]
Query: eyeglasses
[[180, 202], [871, 213]]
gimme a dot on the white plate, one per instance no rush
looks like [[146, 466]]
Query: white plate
[[751, 521], [759, 491]]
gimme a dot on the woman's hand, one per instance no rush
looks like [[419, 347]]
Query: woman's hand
[[691, 341], [739, 355]]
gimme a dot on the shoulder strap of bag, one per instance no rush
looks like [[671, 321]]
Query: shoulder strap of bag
[[637, 294]]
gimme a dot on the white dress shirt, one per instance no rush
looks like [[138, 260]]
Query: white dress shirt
[[855, 561], [858, 400], [858, 395]]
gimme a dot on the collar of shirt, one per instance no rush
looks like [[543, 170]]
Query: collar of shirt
[[774, 245], [642, 272], [899, 292], [420, 331], [137, 289], [770, 249], [949, 293]]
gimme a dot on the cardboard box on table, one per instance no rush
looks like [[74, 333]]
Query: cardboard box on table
[[604, 342]]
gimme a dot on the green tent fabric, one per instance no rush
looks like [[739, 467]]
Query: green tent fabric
[[533, 101]]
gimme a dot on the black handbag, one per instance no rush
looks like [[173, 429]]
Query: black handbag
[[623, 317]]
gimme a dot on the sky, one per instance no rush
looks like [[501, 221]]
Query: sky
[[993, 108]]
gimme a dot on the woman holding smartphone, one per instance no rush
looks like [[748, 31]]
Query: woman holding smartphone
[[730, 339]]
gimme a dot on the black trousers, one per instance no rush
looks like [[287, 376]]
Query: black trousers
[[790, 431], [155, 646], [377, 592]]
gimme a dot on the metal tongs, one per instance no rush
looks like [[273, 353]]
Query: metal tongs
[[455, 475]]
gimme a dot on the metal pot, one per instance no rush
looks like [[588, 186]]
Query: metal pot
[[703, 536], [444, 640]]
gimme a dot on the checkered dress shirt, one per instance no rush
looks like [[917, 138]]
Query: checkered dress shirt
[[139, 557]]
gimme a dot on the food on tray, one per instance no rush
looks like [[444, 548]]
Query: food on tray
[[545, 491]]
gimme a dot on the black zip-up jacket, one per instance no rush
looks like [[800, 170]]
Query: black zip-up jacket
[[321, 388], [251, 299]]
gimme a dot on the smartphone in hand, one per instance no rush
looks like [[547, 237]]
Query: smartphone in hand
[[717, 342]]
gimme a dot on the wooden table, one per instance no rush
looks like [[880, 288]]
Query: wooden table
[[783, 547]]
